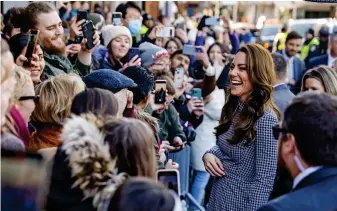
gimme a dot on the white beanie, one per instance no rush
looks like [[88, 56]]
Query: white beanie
[[110, 32]]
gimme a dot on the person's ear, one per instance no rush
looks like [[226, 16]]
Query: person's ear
[[288, 143]]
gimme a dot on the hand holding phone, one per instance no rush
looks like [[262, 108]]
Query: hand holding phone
[[133, 52], [31, 45]]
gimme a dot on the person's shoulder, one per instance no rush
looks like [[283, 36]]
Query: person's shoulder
[[318, 58], [274, 205], [268, 116]]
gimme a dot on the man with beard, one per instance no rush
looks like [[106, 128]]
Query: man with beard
[[44, 17], [307, 149], [295, 67]]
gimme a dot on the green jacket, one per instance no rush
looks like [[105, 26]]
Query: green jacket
[[56, 65], [169, 124]]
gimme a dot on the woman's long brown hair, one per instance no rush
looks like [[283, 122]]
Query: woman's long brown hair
[[260, 69], [131, 141]]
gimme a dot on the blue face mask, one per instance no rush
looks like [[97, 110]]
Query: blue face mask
[[135, 26]]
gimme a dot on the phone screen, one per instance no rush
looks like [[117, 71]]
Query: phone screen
[[82, 15], [21, 176], [160, 85], [117, 19], [196, 92], [212, 21], [170, 179]]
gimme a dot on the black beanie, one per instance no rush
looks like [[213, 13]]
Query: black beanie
[[17, 43]]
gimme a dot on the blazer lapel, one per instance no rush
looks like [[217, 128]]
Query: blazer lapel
[[321, 174]]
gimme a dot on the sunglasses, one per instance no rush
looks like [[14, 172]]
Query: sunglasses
[[35, 98], [277, 129]]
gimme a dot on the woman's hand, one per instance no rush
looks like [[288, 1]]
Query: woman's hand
[[75, 28], [171, 165], [213, 165], [203, 57], [155, 30], [135, 61]]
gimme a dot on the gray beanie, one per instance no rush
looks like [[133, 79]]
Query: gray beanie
[[149, 53]]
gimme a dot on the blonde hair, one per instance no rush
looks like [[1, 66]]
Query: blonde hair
[[5, 73], [23, 79], [324, 74], [56, 95]]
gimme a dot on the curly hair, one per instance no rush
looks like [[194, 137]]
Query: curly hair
[[261, 74]]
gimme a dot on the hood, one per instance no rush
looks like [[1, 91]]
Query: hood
[[91, 164]]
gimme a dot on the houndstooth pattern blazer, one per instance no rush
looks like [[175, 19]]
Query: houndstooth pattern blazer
[[249, 169]]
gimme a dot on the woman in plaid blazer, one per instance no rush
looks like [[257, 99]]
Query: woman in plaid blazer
[[244, 160]]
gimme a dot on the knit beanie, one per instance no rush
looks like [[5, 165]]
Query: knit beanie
[[110, 32], [149, 53]]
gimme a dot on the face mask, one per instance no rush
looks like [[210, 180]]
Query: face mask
[[298, 162], [135, 27]]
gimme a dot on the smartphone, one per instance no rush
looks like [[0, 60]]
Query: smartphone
[[179, 77], [117, 18], [88, 33], [166, 32], [133, 52], [160, 92], [31, 45], [192, 50], [212, 21], [82, 15], [170, 178], [22, 176], [196, 92]]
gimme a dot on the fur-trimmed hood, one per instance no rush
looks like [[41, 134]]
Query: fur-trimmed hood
[[89, 158]]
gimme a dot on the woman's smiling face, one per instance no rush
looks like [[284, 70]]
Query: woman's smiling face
[[240, 84]]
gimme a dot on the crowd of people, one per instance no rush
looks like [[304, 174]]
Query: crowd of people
[[262, 135]]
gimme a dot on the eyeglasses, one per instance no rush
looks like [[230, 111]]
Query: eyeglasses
[[35, 98], [277, 129], [134, 17]]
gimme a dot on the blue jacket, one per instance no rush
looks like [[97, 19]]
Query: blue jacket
[[319, 60], [101, 60], [282, 97], [316, 192]]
